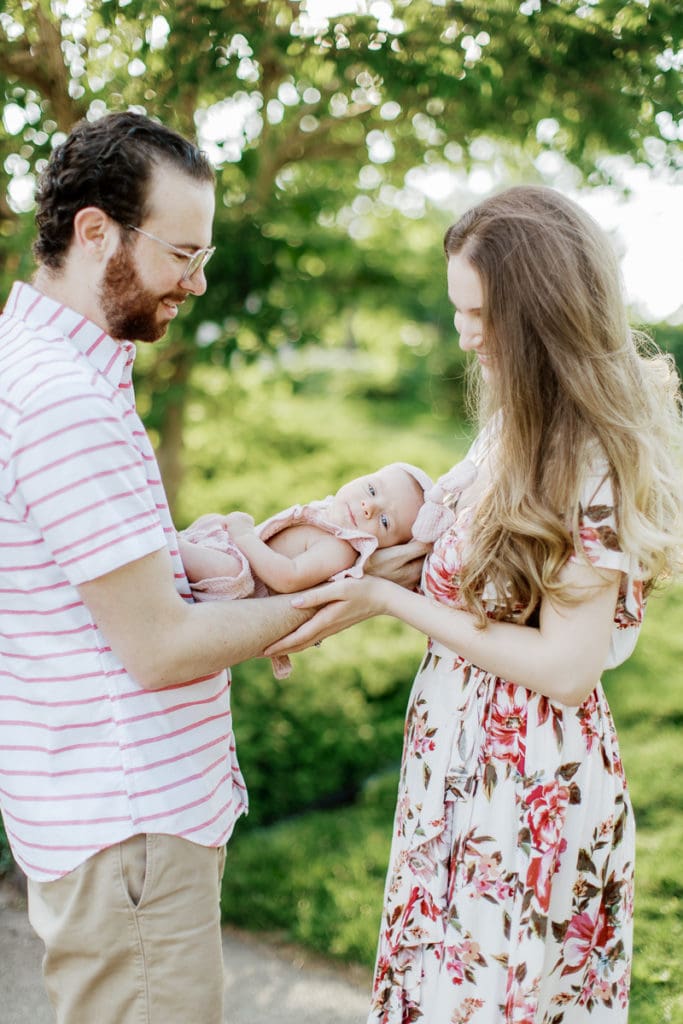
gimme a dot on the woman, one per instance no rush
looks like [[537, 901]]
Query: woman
[[510, 885]]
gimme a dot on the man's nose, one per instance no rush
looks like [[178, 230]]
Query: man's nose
[[196, 284]]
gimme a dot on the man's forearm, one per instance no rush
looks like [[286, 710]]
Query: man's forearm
[[246, 628], [163, 640]]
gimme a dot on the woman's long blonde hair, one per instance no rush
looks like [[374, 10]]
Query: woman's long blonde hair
[[569, 379]]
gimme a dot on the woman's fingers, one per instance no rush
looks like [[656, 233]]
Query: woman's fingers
[[317, 596], [402, 564], [322, 624]]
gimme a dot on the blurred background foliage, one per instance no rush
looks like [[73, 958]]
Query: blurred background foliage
[[324, 346], [324, 134]]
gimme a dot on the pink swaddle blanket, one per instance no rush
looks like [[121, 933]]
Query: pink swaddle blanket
[[433, 519], [210, 531]]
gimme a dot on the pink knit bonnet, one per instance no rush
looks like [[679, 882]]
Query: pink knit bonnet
[[434, 518]]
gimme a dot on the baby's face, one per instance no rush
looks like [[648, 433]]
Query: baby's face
[[384, 504]]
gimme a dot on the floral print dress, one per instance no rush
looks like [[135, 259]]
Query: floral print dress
[[509, 895]]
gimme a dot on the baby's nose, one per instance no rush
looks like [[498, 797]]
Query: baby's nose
[[368, 507]]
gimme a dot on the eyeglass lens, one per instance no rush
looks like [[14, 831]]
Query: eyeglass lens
[[197, 262]]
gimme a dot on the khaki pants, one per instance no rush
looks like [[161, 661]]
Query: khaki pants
[[133, 935]]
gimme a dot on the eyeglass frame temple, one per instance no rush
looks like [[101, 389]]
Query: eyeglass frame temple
[[204, 254]]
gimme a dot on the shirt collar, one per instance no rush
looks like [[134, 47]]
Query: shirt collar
[[113, 359]]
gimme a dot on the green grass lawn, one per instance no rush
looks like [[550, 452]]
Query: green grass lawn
[[646, 695]]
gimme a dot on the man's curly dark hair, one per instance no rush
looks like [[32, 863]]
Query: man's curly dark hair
[[106, 163]]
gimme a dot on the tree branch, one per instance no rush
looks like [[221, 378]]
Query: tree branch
[[40, 64]]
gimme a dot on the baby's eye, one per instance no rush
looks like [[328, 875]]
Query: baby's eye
[[372, 490], [384, 521]]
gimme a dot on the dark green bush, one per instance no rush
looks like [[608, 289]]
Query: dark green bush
[[6, 861], [313, 739]]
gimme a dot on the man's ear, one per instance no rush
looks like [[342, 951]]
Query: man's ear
[[95, 233]]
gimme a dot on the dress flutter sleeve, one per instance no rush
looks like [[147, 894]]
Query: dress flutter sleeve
[[600, 544]]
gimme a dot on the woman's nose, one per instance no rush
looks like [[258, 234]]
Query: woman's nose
[[470, 337]]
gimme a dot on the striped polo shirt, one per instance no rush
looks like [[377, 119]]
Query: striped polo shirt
[[87, 757]]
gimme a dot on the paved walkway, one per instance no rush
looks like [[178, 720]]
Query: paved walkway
[[264, 982]]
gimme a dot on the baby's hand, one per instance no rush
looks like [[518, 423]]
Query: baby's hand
[[239, 523]]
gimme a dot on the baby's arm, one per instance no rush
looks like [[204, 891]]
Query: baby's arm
[[203, 563], [283, 573]]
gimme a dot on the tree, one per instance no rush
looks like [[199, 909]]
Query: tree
[[313, 127]]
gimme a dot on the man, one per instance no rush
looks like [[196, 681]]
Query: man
[[119, 781]]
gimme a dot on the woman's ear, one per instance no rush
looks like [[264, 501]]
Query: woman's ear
[[96, 235]]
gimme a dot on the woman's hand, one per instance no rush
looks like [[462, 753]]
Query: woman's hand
[[341, 604], [402, 564]]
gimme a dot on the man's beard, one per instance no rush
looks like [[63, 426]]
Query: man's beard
[[130, 308]]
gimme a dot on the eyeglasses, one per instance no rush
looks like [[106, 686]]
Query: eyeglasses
[[195, 260]]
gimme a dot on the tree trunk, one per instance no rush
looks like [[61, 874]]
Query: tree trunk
[[172, 402]]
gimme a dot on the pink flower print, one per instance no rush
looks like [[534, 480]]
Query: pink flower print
[[547, 806], [588, 718], [606, 827], [628, 901], [630, 604], [485, 877], [595, 989], [586, 934], [442, 572], [460, 959], [422, 861], [540, 873], [421, 739], [455, 967], [485, 870], [429, 909], [638, 597], [383, 969], [590, 539], [521, 1004], [421, 902], [547, 809], [470, 952], [403, 813], [507, 726], [623, 988], [463, 1015]]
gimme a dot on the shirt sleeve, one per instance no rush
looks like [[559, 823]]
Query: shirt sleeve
[[81, 482]]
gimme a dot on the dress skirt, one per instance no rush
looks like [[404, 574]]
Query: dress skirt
[[509, 895]]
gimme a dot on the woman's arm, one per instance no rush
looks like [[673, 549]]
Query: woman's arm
[[285, 574], [562, 658]]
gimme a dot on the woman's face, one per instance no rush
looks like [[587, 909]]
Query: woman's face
[[467, 295]]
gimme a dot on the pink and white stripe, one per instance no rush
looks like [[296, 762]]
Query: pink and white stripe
[[88, 758]]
